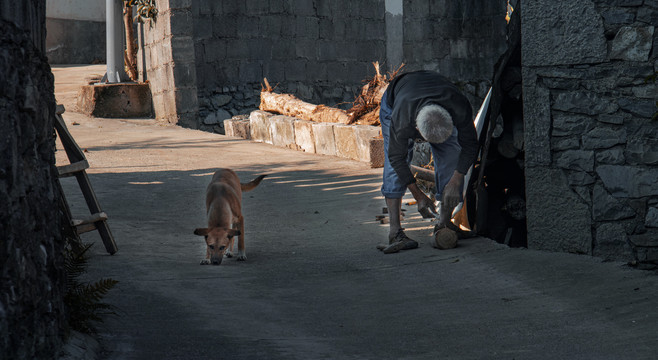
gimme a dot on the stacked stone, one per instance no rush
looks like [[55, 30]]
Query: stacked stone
[[591, 143], [356, 142], [198, 53], [224, 103], [32, 313], [460, 39], [170, 64], [320, 52]]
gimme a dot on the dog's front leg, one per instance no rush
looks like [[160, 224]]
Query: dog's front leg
[[242, 255], [229, 248], [206, 261]]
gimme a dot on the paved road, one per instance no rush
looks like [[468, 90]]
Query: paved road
[[314, 286]]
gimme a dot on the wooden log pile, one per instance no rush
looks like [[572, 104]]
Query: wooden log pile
[[364, 111]]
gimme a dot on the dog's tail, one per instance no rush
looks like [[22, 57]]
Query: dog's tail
[[252, 184]]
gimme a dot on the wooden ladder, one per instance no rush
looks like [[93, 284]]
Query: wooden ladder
[[78, 164]]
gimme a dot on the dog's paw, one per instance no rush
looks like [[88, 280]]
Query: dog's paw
[[205, 262], [242, 256], [228, 254]]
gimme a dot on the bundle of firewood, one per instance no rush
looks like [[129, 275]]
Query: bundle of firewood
[[364, 111]]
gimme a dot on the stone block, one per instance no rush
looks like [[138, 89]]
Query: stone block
[[186, 99], [274, 70], [648, 239], [295, 70], [238, 128], [224, 26], [303, 8], [632, 43], [346, 146], [282, 129], [180, 22], [159, 105], [584, 103], [184, 74], [180, 4], [611, 244], [260, 126], [170, 106], [250, 71], [123, 100], [537, 115], [579, 160], [182, 49], [304, 136], [578, 37], [629, 181], [370, 144], [323, 137], [376, 152], [651, 219], [568, 228], [606, 207]]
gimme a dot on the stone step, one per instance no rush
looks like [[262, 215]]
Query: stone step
[[357, 142]]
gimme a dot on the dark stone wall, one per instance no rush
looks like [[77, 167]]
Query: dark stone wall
[[591, 143], [213, 55], [31, 262], [75, 41], [318, 50], [460, 39]]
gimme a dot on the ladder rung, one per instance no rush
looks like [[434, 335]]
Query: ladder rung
[[71, 169], [101, 216], [85, 228]]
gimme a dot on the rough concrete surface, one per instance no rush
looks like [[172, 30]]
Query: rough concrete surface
[[314, 286]]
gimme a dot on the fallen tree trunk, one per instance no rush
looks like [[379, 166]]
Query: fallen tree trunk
[[286, 104], [365, 109]]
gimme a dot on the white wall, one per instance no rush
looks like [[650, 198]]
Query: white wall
[[90, 10]]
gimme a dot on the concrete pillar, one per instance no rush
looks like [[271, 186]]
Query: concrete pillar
[[141, 55], [115, 42], [394, 34]]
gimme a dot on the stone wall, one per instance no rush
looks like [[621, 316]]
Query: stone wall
[[170, 63], [320, 51], [31, 270], [460, 39], [591, 146], [75, 41], [75, 31]]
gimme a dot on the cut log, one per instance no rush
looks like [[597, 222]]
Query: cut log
[[365, 109], [286, 104]]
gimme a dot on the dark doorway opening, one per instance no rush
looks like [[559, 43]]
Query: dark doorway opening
[[499, 187]]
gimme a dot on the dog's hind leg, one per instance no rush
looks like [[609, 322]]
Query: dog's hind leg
[[242, 255]]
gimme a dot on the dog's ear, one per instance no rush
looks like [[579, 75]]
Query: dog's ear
[[233, 232], [201, 231]]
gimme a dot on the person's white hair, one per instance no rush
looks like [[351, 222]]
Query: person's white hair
[[434, 123]]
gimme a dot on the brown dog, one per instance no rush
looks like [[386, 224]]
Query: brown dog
[[225, 220]]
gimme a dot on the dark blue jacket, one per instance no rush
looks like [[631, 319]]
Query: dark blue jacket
[[406, 94]]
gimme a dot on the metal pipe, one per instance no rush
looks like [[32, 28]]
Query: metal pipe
[[114, 36]]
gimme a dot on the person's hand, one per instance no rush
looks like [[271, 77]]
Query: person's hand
[[451, 194], [426, 207]]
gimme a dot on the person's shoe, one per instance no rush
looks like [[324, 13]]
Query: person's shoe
[[400, 242]]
